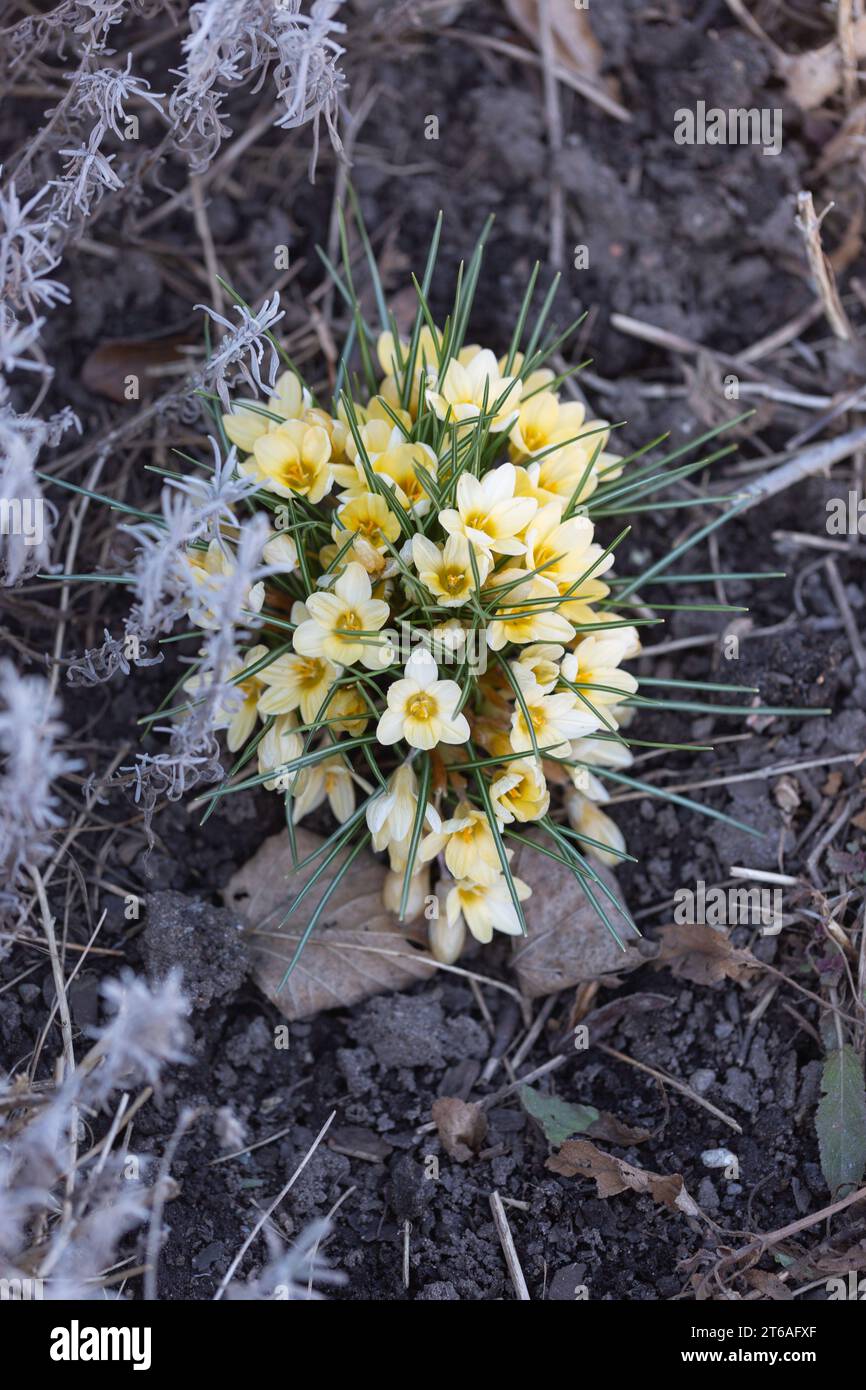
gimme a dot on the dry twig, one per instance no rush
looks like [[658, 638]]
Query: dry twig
[[809, 225], [506, 1240]]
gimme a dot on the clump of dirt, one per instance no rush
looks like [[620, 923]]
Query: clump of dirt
[[203, 942]]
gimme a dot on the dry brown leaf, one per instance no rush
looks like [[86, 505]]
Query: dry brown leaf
[[703, 955], [833, 784], [108, 368], [786, 794], [811, 78], [462, 1126], [566, 940], [612, 1131], [574, 44], [579, 1158], [770, 1285], [821, 1260], [356, 950]]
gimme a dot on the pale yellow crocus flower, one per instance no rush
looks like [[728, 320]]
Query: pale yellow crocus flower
[[447, 572], [487, 907], [563, 550], [280, 745], [369, 515], [330, 779], [249, 420], [468, 391], [538, 664], [391, 815], [296, 682], [527, 612], [238, 714], [586, 818], [488, 514], [421, 708], [340, 622], [544, 423], [519, 792], [555, 720], [469, 845], [594, 666], [292, 460]]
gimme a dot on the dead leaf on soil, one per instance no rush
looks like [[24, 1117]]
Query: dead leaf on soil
[[828, 1259], [566, 940], [614, 1131], [703, 955], [357, 949], [770, 1285], [579, 1158], [108, 368], [812, 77], [574, 43], [462, 1126]]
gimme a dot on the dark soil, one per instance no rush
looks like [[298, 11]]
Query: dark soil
[[700, 241]]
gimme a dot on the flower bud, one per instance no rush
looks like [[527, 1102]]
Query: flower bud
[[446, 941], [419, 888]]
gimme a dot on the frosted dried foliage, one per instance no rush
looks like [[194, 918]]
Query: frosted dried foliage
[[93, 19], [169, 776], [29, 730], [289, 1276], [87, 177], [221, 607], [106, 92], [32, 235], [192, 510], [308, 77], [229, 1129], [161, 572], [234, 42], [98, 664], [107, 1211], [216, 494], [24, 546], [146, 1030], [81, 1211], [27, 254], [245, 347], [17, 340], [24, 513], [89, 21]]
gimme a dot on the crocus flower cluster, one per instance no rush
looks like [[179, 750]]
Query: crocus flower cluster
[[437, 660]]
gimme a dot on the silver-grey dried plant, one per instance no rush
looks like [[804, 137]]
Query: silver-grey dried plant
[[63, 1213], [30, 732]]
